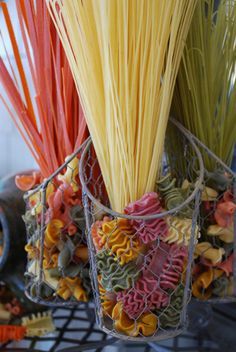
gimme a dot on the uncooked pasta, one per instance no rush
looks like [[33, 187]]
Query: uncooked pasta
[[205, 93], [124, 56]]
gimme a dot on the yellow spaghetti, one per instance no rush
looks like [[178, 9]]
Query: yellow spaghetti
[[124, 55]]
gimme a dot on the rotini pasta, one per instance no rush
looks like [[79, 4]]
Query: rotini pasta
[[12, 332]]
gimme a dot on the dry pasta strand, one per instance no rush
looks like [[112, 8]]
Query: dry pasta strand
[[205, 93], [124, 55]]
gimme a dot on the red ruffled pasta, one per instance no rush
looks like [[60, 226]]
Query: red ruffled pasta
[[145, 296], [148, 231], [166, 263]]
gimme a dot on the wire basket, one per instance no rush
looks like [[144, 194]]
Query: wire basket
[[58, 269], [215, 265], [141, 260]]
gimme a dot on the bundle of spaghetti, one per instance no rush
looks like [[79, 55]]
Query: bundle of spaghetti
[[205, 94], [49, 118], [125, 55]]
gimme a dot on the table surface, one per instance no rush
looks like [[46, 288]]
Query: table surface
[[212, 328]]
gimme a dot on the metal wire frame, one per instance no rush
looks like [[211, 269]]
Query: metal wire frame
[[42, 188], [226, 168], [89, 198]]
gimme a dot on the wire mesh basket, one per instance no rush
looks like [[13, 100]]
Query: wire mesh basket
[[58, 269], [215, 266], [141, 259]]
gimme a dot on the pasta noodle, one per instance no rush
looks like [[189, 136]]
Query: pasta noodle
[[180, 231], [204, 98], [42, 100], [124, 55], [113, 276], [146, 324], [118, 236]]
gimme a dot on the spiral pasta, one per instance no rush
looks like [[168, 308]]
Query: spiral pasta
[[32, 250], [12, 332], [52, 262]]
